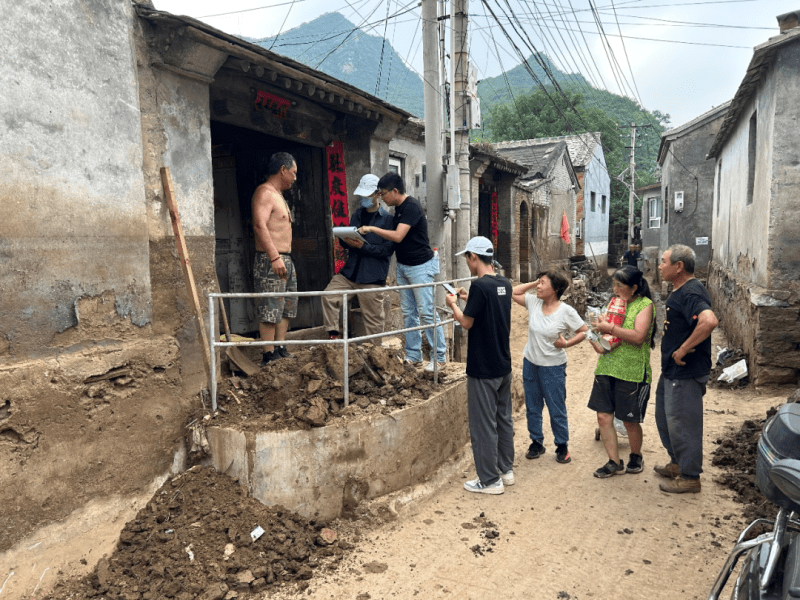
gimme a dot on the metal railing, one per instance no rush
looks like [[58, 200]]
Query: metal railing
[[345, 340]]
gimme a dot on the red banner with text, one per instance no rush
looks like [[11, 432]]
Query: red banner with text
[[337, 190]]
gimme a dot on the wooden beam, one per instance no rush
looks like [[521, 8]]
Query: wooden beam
[[183, 254]]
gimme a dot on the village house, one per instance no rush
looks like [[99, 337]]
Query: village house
[[100, 359], [687, 183], [652, 212], [753, 274], [546, 194]]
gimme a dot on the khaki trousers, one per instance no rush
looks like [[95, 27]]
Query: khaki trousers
[[371, 305]]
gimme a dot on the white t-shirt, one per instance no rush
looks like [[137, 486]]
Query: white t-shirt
[[543, 332]]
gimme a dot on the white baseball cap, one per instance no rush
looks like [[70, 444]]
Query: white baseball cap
[[367, 186], [478, 245]]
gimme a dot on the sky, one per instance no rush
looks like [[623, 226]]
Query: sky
[[680, 57]]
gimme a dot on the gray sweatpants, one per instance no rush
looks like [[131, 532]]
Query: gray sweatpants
[[679, 418], [490, 426]]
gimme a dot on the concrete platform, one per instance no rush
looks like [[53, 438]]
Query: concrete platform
[[327, 471]]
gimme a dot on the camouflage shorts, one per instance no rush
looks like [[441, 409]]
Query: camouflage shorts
[[274, 308]]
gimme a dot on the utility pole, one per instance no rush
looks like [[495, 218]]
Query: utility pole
[[631, 193], [433, 124], [459, 130]]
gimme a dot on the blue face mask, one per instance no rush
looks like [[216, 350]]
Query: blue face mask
[[366, 202]]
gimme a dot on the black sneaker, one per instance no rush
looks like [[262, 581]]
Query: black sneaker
[[562, 454], [268, 357], [635, 463], [535, 450], [283, 352], [610, 469]]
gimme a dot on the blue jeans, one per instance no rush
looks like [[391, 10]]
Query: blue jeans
[[417, 305], [546, 385]]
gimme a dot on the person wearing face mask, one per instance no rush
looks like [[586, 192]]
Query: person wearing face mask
[[367, 264]]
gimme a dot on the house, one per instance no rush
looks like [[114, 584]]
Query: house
[[687, 182], [99, 360], [550, 189], [652, 212], [593, 194], [753, 274]]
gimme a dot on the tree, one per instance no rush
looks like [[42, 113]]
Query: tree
[[539, 113]]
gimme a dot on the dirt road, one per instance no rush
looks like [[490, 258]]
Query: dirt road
[[559, 533]]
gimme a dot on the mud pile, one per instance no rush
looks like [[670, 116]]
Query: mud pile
[[307, 389], [193, 541], [737, 453]]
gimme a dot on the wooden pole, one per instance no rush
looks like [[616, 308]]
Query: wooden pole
[[186, 266]]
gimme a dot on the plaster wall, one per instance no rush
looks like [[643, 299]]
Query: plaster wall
[[741, 230], [72, 215], [685, 169], [597, 180], [412, 151]]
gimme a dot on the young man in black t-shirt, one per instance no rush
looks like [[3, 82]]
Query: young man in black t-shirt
[[685, 369], [487, 318], [416, 263]]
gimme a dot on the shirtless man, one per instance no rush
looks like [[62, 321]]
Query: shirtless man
[[273, 269]]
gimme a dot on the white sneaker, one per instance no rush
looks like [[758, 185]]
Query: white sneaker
[[476, 486], [429, 366], [507, 477]]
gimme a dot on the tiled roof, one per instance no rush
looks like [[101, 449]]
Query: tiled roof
[[581, 147], [540, 158]]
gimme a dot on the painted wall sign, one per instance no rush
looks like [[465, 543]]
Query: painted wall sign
[[270, 102], [701, 241], [337, 190]]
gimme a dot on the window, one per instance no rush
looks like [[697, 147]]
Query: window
[[603, 205], [396, 165], [666, 205], [424, 173], [719, 180], [751, 158], [593, 205], [654, 209]]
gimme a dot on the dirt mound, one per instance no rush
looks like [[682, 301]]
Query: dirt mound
[[307, 389], [737, 453], [193, 540]]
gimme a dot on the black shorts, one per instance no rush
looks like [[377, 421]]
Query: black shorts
[[626, 400]]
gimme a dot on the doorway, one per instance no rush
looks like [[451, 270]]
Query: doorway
[[239, 158]]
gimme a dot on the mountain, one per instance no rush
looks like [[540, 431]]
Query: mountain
[[334, 45]]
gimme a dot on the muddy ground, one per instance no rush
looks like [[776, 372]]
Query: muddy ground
[[558, 533]]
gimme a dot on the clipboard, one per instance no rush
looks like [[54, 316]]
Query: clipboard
[[348, 233]]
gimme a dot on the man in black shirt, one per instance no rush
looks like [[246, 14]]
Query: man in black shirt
[[487, 317], [366, 267], [685, 369], [416, 263], [631, 257]]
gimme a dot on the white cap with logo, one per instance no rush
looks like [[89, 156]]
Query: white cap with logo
[[367, 186], [478, 245]]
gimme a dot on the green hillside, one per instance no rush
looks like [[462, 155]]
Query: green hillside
[[353, 56]]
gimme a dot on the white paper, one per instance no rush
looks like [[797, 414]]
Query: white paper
[[348, 233]]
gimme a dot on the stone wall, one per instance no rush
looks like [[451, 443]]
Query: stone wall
[[765, 324]]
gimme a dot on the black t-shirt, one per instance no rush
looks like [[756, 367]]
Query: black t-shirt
[[488, 350], [415, 249], [683, 307], [631, 258]]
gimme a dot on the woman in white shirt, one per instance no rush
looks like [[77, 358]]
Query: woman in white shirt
[[544, 367]]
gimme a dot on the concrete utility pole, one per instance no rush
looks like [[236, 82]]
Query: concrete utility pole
[[631, 194], [459, 128], [433, 124]]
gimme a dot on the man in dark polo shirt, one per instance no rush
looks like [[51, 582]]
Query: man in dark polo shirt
[[685, 369], [487, 318], [416, 263]]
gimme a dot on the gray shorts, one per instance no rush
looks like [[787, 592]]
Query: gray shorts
[[274, 308]]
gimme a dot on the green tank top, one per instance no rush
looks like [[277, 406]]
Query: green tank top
[[626, 361]]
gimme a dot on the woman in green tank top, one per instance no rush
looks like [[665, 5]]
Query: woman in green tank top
[[623, 375]]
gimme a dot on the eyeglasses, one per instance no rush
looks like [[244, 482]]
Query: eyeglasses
[[382, 193]]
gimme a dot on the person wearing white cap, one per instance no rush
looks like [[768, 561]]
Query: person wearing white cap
[[487, 318], [367, 264]]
